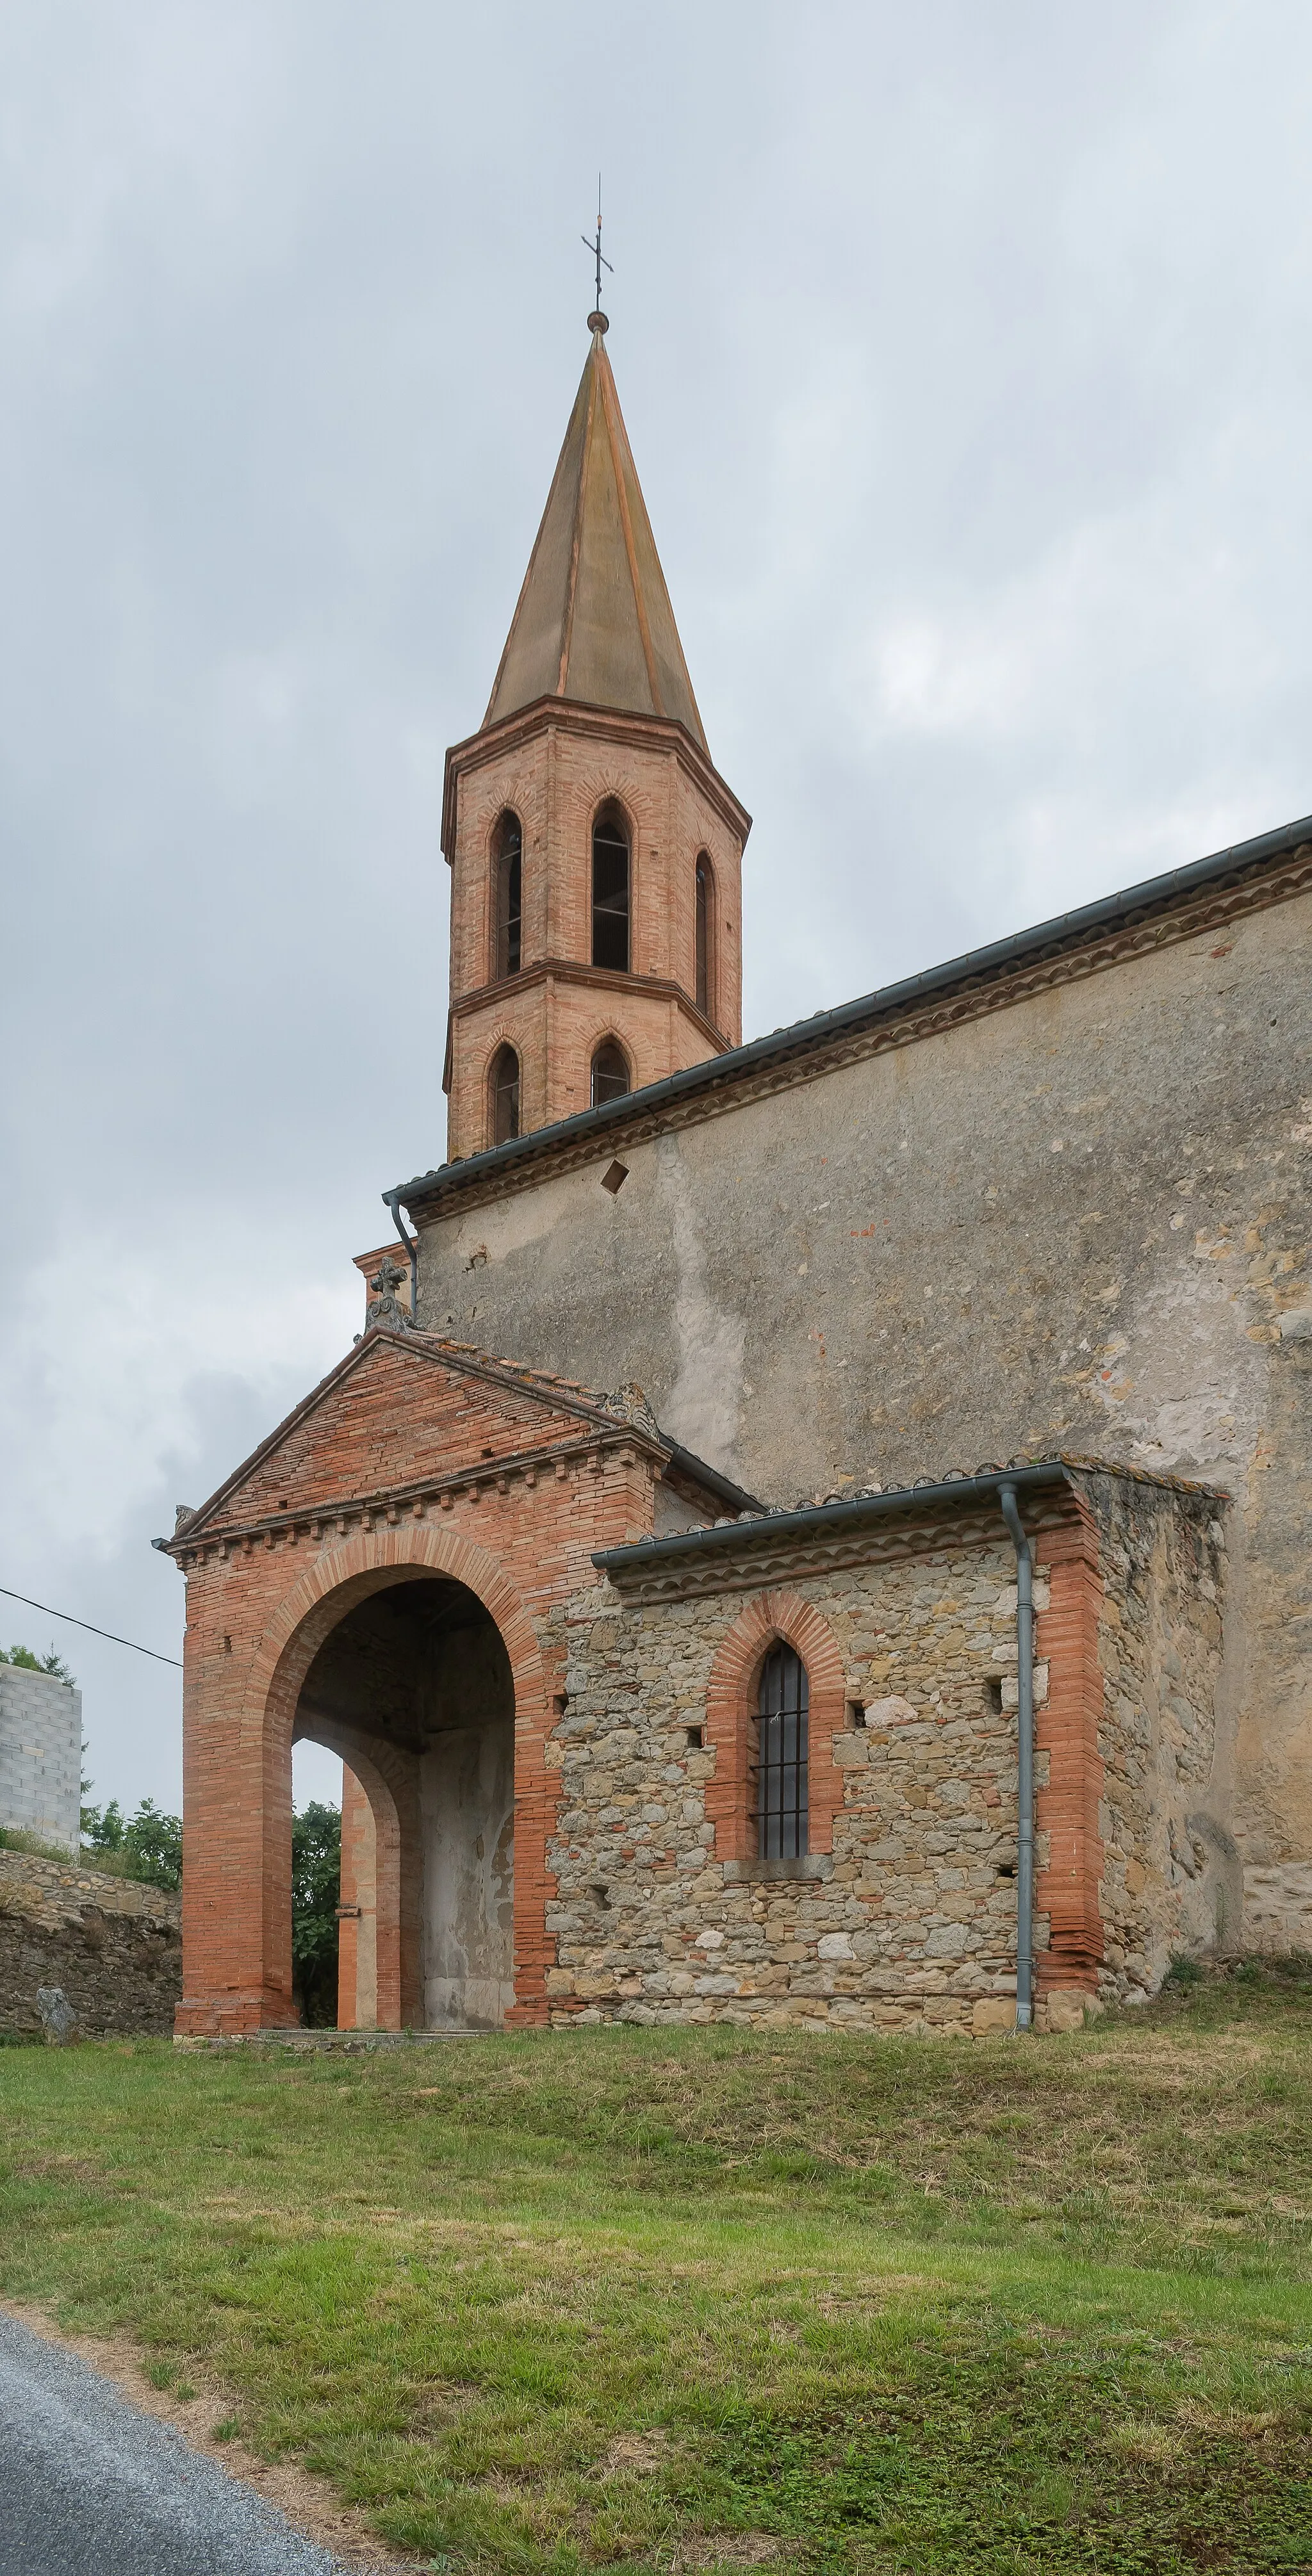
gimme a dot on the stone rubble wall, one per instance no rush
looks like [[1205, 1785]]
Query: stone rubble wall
[[1171, 1878], [1278, 1907], [114, 1945], [910, 1922]]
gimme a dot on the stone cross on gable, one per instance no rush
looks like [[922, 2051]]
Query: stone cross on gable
[[384, 1306]]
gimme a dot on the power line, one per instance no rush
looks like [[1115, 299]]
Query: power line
[[48, 1613]]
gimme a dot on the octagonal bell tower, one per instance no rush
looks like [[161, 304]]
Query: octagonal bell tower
[[595, 851]]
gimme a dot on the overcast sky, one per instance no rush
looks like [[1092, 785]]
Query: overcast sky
[[965, 352]]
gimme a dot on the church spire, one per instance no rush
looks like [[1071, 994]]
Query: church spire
[[596, 853], [594, 622]]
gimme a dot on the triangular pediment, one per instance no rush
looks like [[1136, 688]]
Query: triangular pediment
[[401, 1409]]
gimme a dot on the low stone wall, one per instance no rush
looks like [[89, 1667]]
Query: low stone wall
[[114, 1946]]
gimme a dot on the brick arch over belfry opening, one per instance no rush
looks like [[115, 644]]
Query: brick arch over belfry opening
[[237, 1891], [772, 1618]]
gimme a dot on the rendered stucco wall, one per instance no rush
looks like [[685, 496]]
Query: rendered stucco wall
[[40, 1755], [1078, 1222]]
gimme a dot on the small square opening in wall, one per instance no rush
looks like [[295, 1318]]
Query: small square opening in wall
[[601, 1894], [993, 1695], [856, 1714], [614, 1177], [696, 1736], [559, 1704]]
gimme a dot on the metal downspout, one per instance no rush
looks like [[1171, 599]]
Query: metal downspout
[[392, 1199], [1025, 1764]]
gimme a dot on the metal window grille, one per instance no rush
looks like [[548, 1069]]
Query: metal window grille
[[780, 1768]]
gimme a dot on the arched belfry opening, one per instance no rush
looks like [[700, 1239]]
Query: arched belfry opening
[[503, 1097], [611, 1076], [705, 937], [573, 818], [507, 895], [611, 890], [413, 1689]]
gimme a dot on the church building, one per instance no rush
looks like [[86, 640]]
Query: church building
[[814, 1531]]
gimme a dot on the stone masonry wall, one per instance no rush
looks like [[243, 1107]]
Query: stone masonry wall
[[909, 1923], [1172, 1878], [113, 1945]]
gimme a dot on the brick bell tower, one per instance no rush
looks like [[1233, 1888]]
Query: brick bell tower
[[595, 852]]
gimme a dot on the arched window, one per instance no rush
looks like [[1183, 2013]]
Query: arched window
[[705, 896], [507, 893], [503, 1096], [610, 1072], [610, 890], [780, 1766]]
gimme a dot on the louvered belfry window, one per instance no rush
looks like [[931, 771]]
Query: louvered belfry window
[[503, 1096], [610, 890], [704, 936], [780, 1765], [508, 878]]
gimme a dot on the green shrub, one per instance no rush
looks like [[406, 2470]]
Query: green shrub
[[27, 1662], [145, 1846]]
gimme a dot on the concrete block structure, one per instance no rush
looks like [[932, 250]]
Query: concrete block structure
[[40, 1755], [637, 1559]]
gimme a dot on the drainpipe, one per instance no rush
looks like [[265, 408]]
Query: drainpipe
[[1025, 1766], [391, 1199]]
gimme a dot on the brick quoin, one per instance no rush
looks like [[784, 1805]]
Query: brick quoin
[[1068, 1882]]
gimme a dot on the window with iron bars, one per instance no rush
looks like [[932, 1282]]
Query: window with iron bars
[[779, 1770]]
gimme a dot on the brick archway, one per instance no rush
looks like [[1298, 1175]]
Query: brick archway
[[237, 1905], [772, 1618], [390, 1978]]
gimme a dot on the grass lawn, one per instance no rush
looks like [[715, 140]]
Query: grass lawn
[[653, 2299]]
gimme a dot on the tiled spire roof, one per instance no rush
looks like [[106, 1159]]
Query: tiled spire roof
[[594, 621]]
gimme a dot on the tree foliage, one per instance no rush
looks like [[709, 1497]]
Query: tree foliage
[[316, 1892], [27, 1662], [147, 1845]]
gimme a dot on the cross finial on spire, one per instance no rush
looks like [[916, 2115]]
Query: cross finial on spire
[[596, 319]]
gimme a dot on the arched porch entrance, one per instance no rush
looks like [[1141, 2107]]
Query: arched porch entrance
[[412, 1686], [409, 1651]]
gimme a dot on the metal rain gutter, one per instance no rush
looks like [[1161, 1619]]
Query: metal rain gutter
[[392, 1199], [736, 1536], [1025, 1754]]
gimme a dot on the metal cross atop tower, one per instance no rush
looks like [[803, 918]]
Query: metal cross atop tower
[[597, 319]]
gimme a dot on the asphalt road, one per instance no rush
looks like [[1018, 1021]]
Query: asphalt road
[[90, 2487]]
